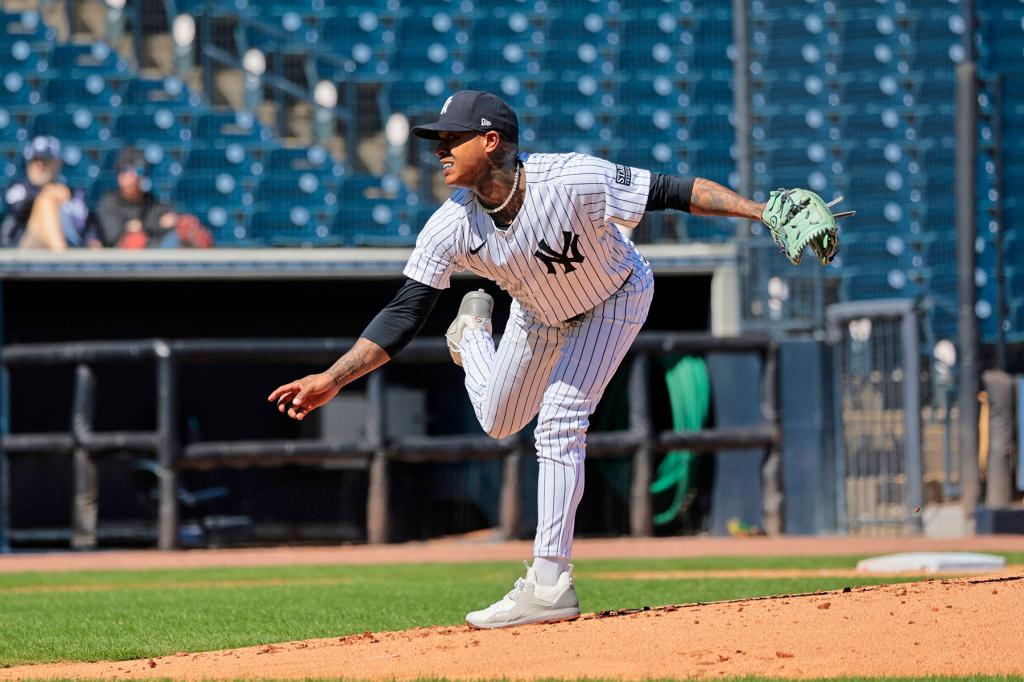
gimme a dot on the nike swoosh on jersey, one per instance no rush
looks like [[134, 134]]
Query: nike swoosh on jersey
[[473, 252]]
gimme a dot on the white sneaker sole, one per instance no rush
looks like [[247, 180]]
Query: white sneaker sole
[[555, 616]]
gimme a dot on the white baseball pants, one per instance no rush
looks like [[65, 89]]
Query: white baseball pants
[[558, 372]]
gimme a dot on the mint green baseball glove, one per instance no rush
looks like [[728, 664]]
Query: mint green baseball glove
[[798, 218]]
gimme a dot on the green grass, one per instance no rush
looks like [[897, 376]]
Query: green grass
[[99, 615]]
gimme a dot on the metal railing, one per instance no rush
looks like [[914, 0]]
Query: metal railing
[[374, 451]]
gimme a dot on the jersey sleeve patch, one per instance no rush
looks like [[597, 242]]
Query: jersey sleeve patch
[[623, 175]]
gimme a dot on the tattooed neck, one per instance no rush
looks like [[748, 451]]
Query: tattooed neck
[[495, 189]]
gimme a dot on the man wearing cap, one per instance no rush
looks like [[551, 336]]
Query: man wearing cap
[[546, 228], [130, 216], [41, 212]]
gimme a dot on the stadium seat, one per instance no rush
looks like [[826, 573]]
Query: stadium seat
[[210, 161], [92, 91], [74, 124], [376, 211], [74, 60], [295, 226], [17, 95], [503, 41], [281, 191], [364, 41], [162, 125], [26, 26], [314, 159], [11, 132], [223, 127], [167, 93]]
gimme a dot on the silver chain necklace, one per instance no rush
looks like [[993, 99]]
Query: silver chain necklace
[[515, 186]]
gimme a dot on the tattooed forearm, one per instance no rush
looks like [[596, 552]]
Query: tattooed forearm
[[364, 357], [710, 198]]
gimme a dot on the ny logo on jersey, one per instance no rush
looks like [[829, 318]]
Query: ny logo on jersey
[[569, 254]]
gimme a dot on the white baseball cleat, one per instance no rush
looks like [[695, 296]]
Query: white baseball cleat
[[474, 313], [529, 602]]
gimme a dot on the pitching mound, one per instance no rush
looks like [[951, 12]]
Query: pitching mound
[[942, 627]]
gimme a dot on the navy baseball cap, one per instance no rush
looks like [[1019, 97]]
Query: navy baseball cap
[[473, 110], [42, 147]]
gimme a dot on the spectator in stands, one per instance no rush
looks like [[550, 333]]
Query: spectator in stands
[[133, 218], [130, 216], [43, 213]]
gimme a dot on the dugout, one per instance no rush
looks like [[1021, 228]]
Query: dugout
[[272, 295]]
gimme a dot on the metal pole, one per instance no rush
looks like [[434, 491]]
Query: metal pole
[[741, 103], [509, 512], [640, 523], [5, 428], [137, 37], [914, 467], [351, 130], [997, 217], [207, 41], [167, 452], [967, 322], [771, 470], [376, 428], [84, 510]]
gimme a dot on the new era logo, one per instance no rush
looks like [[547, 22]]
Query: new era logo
[[484, 122]]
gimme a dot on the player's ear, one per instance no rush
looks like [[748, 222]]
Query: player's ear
[[492, 140]]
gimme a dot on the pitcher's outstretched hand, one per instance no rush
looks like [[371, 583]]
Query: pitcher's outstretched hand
[[299, 398]]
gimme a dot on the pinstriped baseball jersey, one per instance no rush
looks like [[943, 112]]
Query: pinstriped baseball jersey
[[562, 255]]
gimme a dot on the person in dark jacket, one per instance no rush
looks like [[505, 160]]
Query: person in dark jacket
[[40, 211], [132, 217]]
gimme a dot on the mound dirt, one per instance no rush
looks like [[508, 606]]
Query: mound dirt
[[962, 626]]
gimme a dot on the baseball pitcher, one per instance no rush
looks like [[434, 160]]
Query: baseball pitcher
[[544, 227]]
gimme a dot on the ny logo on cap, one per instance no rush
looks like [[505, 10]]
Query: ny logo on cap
[[448, 101]]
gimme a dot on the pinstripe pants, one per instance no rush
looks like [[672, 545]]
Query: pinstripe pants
[[557, 372]]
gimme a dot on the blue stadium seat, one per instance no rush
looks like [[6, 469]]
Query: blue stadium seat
[[224, 127], [791, 125], [364, 41], [92, 91], [282, 191], [80, 167], [651, 46], [222, 205], [79, 60], [376, 211], [503, 43], [714, 163], [415, 98], [314, 159], [579, 45], [426, 46], [210, 161], [17, 95], [25, 26], [74, 124], [159, 93], [715, 93], [866, 125], [645, 95], [521, 94], [161, 125], [294, 226]]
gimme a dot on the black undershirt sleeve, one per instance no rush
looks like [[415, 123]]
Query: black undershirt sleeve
[[669, 191], [399, 321]]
